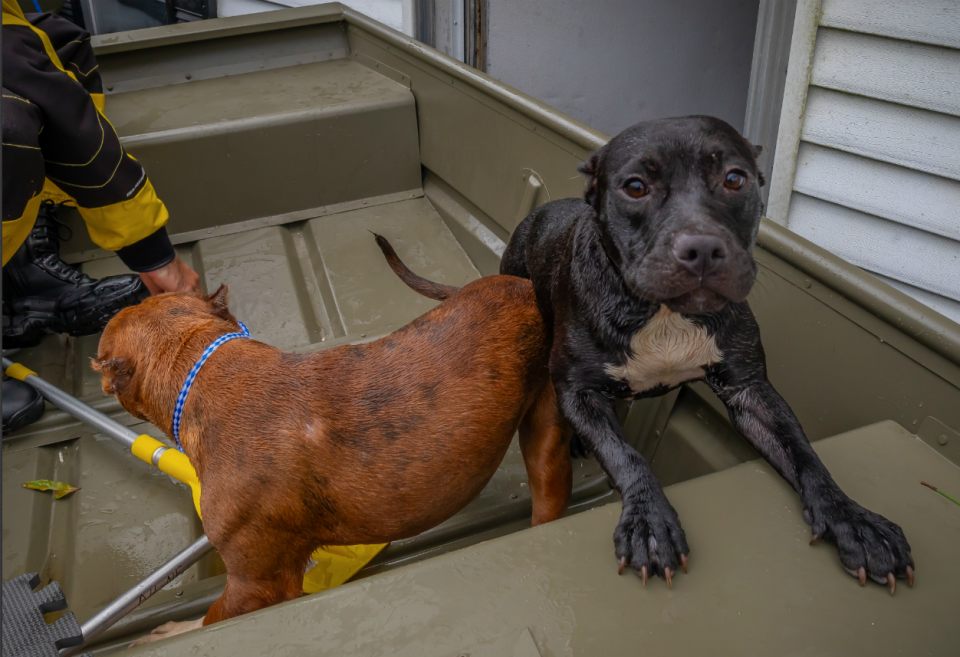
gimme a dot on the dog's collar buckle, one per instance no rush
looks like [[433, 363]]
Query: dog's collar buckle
[[185, 390]]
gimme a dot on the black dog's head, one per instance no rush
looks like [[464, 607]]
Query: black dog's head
[[678, 203]]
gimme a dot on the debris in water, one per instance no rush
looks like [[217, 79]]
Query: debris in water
[[936, 490], [61, 488]]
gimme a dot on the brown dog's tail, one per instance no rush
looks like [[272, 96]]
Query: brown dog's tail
[[416, 283]]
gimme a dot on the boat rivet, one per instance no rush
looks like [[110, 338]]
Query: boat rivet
[[188, 76], [942, 439], [363, 335], [807, 284], [109, 87], [179, 594], [513, 496]]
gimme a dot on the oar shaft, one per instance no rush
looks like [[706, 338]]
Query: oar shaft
[[72, 406], [136, 596]]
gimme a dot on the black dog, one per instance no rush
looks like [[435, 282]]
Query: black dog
[[643, 288]]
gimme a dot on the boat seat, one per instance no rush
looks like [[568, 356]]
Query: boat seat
[[273, 142], [755, 586]]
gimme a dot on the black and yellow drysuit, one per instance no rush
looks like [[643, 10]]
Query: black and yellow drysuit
[[59, 145]]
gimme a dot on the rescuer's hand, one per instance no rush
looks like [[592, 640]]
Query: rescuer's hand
[[174, 277]]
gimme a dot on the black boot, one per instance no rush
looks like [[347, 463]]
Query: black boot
[[42, 294], [22, 405]]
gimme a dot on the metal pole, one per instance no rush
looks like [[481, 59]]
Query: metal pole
[[70, 405], [140, 593]]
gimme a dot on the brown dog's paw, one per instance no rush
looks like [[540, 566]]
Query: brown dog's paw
[[167, 630], [650, 539]]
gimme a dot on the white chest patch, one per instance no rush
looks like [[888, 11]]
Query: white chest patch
[[669, 350]]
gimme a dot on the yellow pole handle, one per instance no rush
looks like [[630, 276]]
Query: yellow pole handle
[[171, 461]]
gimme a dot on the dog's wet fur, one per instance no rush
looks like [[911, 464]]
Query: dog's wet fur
[[643, 285], [357, 444]]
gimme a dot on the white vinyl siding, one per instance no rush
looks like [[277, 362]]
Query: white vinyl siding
[[876, 174]]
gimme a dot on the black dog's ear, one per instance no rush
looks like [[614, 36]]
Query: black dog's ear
[[757, 149], [117, 375], [591, 168], [219, 301]]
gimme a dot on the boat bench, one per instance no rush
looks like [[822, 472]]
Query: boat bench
[[755, 586]]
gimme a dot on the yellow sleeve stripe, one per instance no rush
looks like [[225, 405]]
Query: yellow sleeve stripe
[[94, 156], [11, 7], [22, 100], [81, 72]]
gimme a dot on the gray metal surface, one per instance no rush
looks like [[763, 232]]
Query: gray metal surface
[[142, 592]]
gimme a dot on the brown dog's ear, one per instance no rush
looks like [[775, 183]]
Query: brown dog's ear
[[117, 375], [591, 168], [219, 301]]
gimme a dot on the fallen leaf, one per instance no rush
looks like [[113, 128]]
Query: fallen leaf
[[61, 488]]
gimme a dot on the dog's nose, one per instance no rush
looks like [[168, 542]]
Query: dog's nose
[[700, 254]]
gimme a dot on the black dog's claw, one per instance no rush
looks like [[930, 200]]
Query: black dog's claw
[[909, 576], [643, 574], [816, 537], [666, 572], [623, 564], [683, 560], [892, 581]]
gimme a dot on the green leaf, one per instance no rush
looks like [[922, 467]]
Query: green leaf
[[61, 488]]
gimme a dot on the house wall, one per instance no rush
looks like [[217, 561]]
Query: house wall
[[876, 122], [611, 63]]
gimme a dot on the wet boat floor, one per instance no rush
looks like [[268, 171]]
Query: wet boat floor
[[311, 284]]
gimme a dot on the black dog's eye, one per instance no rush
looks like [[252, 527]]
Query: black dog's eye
[[635, 188], [734, 180]]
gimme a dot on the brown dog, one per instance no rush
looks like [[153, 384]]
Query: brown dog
[[353, 445]]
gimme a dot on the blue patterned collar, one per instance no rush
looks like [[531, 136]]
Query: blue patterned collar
[[185, 390]]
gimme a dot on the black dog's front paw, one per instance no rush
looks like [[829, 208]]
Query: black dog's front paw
[[650, 539], [869, 545]]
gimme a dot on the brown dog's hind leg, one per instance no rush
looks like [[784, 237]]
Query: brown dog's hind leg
[[258, 578], [545, 445]]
